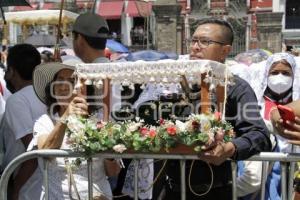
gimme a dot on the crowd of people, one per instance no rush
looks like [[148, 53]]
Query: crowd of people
[[43, 96]]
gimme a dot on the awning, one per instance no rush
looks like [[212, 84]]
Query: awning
[[25, 8], [111, 9], [132, 9], [84, 4], [292, 41], [138, 8], [45, 6]]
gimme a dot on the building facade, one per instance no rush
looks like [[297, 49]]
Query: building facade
[[167, 24]]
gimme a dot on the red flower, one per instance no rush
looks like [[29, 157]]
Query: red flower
[[161, 121], [100, 125], [152, 133], [218, 116], [195, 125], [144, 131], [171, 130]]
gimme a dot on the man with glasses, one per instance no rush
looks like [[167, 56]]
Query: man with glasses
[[212, 40]]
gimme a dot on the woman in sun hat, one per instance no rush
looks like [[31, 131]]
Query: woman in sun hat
[[53, 84]]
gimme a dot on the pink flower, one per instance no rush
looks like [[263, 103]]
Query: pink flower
[[171, 130], [218, 116], [152, 133], [144, 131], [161, 121], [100, 125]]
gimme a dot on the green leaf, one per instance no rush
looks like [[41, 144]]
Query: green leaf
[[202, 137]]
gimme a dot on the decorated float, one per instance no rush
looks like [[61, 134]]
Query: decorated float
[[190, 135], [27, 19]]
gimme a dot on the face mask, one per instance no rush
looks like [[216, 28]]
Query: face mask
[[280, 83]]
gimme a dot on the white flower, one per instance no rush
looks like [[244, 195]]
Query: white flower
[[119, 148], [205, 123], [189, 126], [75, 125], [117, 127], [181, 126], [134, 126]]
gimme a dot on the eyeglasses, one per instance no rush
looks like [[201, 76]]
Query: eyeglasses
[[202, 42]]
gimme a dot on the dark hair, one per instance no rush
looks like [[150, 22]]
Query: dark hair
[[47, 56], [227, 30], [289, 48], [23, 58], [95, 43], [49, 99]]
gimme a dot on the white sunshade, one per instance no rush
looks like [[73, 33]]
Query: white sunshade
[[39, 17]]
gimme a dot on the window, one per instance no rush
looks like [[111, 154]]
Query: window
[[292, 19]]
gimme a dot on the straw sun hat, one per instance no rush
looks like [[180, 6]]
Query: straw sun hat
[[44, 74]]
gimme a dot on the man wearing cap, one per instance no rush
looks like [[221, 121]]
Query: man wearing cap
[[90, 32]]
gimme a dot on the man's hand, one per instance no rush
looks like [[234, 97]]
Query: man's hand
[[292, 132], [218, 154]]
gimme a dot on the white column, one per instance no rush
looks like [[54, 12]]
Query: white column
[[187, 31], [14, 31], [126, 25], [248, 30], [97, 5], [279, 6], [152, 28]]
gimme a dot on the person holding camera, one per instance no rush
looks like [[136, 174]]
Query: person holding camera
[[54, 85], [274, 84]]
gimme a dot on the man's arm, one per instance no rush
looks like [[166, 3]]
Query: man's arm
[[244, 114]]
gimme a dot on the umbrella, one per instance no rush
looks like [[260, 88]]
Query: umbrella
[[42, 40], [6, 3], [252, 56], [149, 55], [116, 46]]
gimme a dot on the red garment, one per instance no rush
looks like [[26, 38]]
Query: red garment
[[1, 89]]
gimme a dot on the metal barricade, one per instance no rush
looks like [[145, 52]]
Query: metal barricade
[[284, 159]]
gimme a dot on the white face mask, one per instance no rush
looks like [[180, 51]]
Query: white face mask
[[280, 83]]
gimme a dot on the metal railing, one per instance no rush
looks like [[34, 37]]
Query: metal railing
[[284, 158]]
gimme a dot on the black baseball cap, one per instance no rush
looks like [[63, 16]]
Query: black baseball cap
[[91, 25]]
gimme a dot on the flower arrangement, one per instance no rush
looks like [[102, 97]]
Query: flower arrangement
[[90, 136]]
